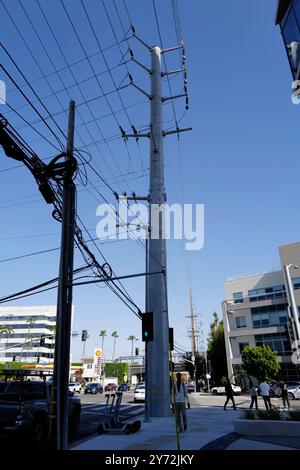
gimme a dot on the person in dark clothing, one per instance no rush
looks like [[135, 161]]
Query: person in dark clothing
[[229, 394], [285, 394], [253, 395]]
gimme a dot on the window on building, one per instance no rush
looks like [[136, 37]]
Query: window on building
[[269, 315], [266, 293], [89, 366], [241, 322], [278, 342], [296, 282], [238, 297], [242, 346]]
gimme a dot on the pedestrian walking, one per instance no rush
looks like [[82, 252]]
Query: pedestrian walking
[[285, 394], [229, 394], [253, 395], [265, 393], [181, 400]]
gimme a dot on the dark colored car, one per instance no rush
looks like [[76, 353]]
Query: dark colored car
[[25, 408], [124, 387], [110, 387], [93, 388]]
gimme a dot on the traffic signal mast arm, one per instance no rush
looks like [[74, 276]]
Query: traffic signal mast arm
[[16, 149]]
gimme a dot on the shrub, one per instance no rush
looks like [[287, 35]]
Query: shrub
[[272, 415], [294, 415], [249, 414]]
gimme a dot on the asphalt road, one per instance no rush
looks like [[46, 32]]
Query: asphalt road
[[93, 413]]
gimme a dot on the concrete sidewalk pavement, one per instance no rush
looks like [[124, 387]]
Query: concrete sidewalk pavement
[[209, 428]]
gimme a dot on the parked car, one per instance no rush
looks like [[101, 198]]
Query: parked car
[[110, 387], [124, 387], [275, 389], [25, 407], [190, 387], [93, 388], [139, 393], [221, 390], [75, 387], [293, 391]]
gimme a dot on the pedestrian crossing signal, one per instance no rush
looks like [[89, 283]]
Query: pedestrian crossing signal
[[147, 326]]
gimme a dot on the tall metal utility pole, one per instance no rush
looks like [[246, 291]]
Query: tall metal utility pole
[[193, 332], [157, 350], [60, 387]]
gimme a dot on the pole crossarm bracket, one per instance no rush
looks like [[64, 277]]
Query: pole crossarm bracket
[[139, 63], [172, 72], [139, 88], [176, 131], [170, 49], [137, 135], [168, 98], [140, 40]]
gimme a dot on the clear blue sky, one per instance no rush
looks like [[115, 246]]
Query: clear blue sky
[[240, 160]]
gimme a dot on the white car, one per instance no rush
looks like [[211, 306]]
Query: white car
[[293, 392], [139, 393], [221, 390], [75, 387]]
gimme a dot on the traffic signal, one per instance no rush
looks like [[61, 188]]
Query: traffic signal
[[147, 326], [171, 339], [42, 341], [137, 351], [84, 335]]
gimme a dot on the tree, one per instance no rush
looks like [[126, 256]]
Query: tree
[[30, 321], [132, 338], [260, 362], [5, 330], [216, 350], [115, 336], [53, 331], [116, 369], [197, 371], [102, 335]]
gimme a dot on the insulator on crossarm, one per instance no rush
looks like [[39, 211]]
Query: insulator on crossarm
[[133, 29], [131, 53]]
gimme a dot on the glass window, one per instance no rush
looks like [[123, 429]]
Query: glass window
[[241, 322], [238, 297], [265, 320], [296, 282]]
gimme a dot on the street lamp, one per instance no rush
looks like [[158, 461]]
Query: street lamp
[[292, 301]]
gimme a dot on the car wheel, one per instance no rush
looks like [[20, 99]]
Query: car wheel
[[272, 394], [291, 396], [214, 392], [39, 427], [74, 422]]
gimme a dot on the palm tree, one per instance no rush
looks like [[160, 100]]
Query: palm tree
[[53, 330], [5, 330], [115, 336], [31, 321], [132, 338], [102, 335]]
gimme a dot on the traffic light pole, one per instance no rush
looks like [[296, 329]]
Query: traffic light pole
[[60, 387], [157, 350]]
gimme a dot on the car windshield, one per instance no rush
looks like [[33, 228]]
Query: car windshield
[[141, 387]]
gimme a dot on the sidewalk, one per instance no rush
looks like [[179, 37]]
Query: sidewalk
[[209, 428]]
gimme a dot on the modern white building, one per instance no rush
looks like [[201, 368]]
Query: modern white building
[[30, 336], [257, 310]]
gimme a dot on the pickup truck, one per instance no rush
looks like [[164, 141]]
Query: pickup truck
[[25, 406]]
